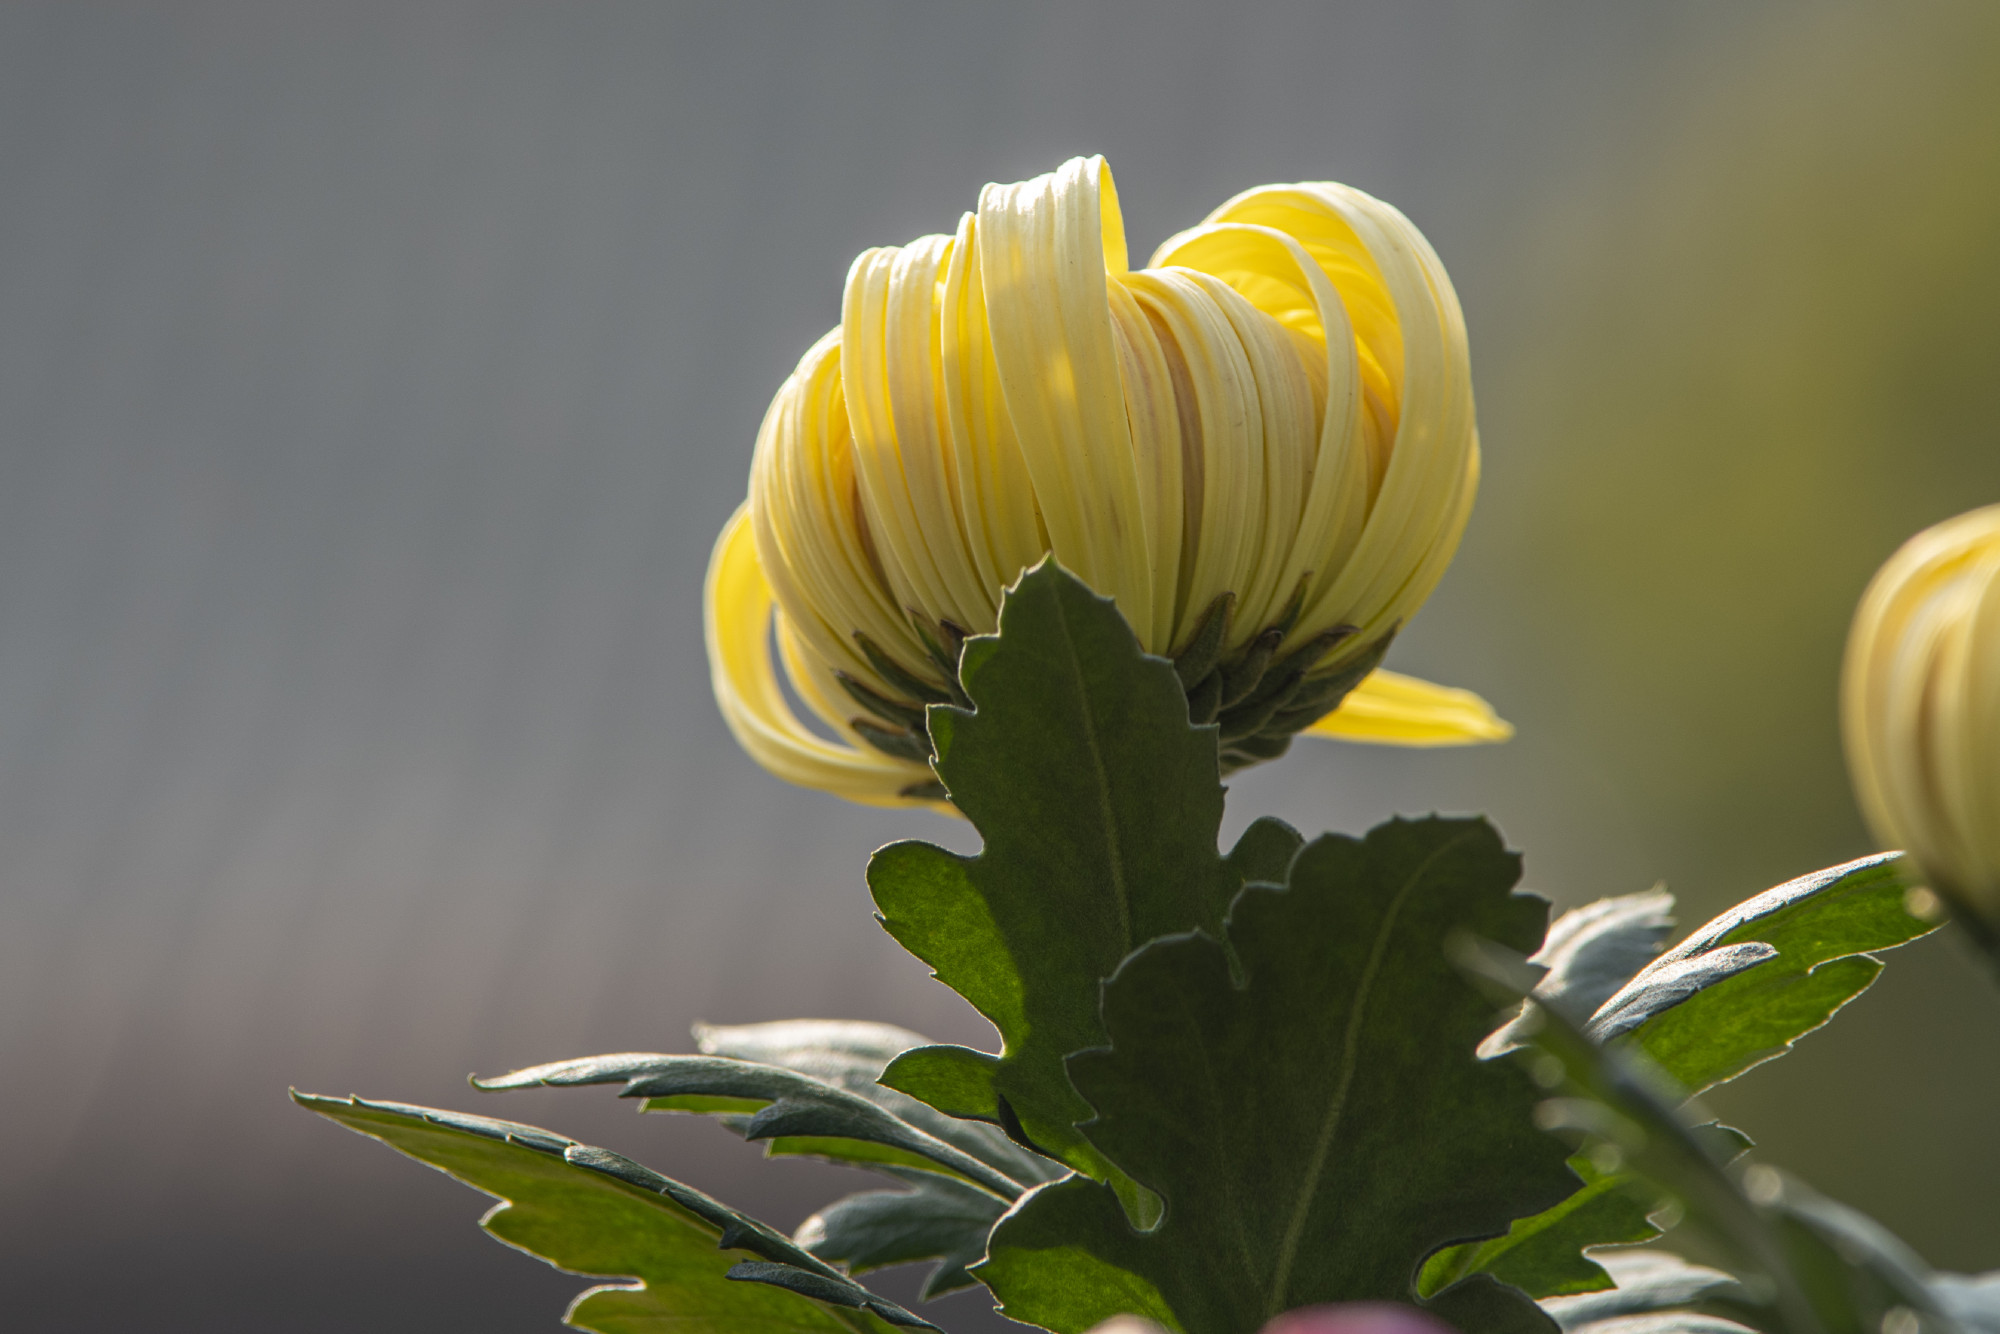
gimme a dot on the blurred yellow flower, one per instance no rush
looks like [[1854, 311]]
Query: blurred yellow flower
[[1261, 446], [1920, 709]]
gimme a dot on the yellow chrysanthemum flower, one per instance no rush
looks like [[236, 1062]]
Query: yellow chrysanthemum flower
[[1920, 709], [1261, 446]]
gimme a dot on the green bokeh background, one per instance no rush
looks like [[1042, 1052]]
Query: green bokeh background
[[1744, 364]]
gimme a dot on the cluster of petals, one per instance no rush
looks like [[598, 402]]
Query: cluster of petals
[[1920, 708], [1279, 408]]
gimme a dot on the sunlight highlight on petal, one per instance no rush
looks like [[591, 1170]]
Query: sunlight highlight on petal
[[1391, 709]]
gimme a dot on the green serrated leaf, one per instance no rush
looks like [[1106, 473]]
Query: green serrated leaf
[[1816, 933], [1318, 1129], [794, 1107], [1264, 854], [1099, 806], [1061, 1260], [1594, 950], [702, 1105], [1737, 992], [1543, 1255], [681, 1255], [1484, 1304], [1806, 1265], [1650, 1283], [851, 1055], [935, 1219]]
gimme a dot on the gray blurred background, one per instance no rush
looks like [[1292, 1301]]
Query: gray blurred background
[[373, 379]]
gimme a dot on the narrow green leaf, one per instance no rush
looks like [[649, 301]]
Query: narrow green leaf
[[797, 1107], [1806, 1264], [591, 1212], [1099, 805], [851, 1054], [1650, 1283], [1543, 1255], [1815, 934], [1593, 951], [1737, 992], [935, 1219], [1317, 1129]]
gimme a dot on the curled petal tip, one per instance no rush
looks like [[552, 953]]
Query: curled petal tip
[[1276, 418], [1391, 709]]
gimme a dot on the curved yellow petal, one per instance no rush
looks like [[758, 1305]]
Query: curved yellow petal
[[1390, 709], [1277, 412], [737, 605]]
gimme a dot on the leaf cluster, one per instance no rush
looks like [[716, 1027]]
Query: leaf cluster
[[1228, 1084]]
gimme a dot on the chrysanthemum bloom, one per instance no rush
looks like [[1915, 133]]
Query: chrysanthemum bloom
[[1262, 447], [1920, 709]]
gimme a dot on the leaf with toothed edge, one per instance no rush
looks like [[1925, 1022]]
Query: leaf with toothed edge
[[851, 1055], [1807, 1264], [692, 1265], [1099, 805], [1746, 986], [935, 1219], [1738, 991], [1592, 951], [1544, 1255], [793, 1106], [1651, 1283], [1316, 1128]]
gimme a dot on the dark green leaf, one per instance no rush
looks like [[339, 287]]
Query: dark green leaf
[[1317, 1130], [1483, 1304], [1805, 1264], [1099, 806], [851, 1055], [936, 1219], [1738, 991], [796, 1107], [1746, 986], [1543, 1255], [1264, 854], [592, 1212]]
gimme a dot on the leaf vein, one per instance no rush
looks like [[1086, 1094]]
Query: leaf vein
[[1288, 1247], [1114, 847]]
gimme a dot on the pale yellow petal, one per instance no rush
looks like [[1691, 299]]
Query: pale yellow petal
[[1390, 709], [1003, 524], [737, 606], [1046, 247], [1921, 705]]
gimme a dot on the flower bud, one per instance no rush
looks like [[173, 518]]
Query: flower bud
[[1261, 447], [1920, 710]]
